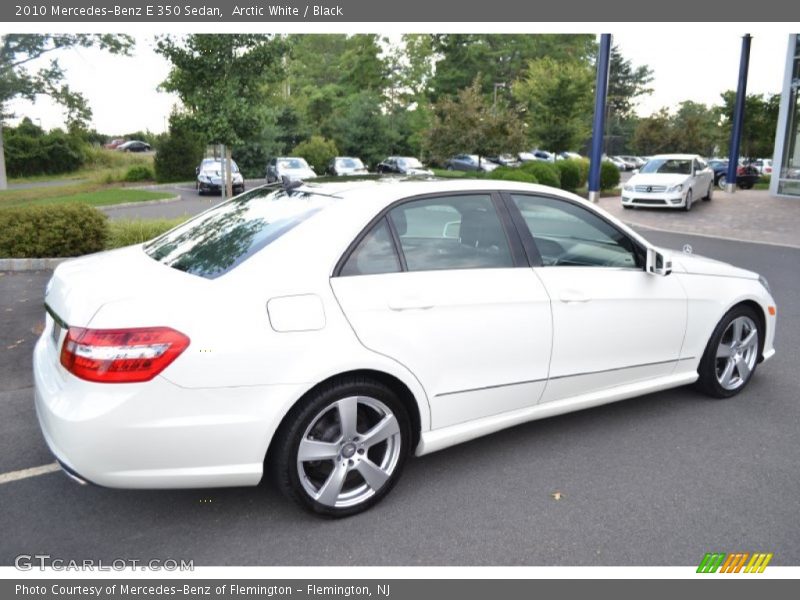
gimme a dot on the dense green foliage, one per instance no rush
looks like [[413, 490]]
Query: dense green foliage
[[570, 174], [139, 173], [546, 173], [512, 174], [318, 152], [51, 231], [609, 176], [31, 151], [180, 152]]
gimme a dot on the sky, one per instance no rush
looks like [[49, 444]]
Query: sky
[[123, 94]]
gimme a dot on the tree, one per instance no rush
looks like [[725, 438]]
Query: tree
[[318, 152], [499, 58], [696, 129], [626, 84], [760, 123], [19, 52], [221, 80], [181, 151], [558, 96], [654, 134], [469, 123]]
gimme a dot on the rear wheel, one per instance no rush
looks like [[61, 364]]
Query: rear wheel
[[722, 182], [342, 449], [731, 357]]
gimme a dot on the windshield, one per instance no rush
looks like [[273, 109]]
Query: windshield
[[292, 163], [675, 166], [220, 239], [349, 163], [215, 165], [410, 163]]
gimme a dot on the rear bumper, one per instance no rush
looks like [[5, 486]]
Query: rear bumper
[[154, 434]]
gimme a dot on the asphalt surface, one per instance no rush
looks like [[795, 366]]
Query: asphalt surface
[[190, 203], [656, 480]]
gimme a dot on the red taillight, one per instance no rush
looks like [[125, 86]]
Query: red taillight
[[120, 355]]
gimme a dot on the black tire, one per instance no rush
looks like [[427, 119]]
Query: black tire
[[627, 206], [708, 382], [313, 409], [688, 206], [709, 194], [746, 186]]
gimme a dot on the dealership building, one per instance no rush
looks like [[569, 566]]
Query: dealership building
[[785, 180]]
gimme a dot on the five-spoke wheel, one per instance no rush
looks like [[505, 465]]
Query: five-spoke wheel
[[344, 449], [732, 353]]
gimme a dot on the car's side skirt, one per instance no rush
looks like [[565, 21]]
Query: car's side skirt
[[438, 439]]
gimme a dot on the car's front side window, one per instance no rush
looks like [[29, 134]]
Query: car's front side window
[[566, 234]]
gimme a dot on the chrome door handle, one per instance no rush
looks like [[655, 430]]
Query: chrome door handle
[[573, 296], [409, 303]]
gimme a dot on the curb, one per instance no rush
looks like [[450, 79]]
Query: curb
[[143, 203], [31, 264]]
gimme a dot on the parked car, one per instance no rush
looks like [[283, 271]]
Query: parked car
[[365, 322], [670, 181], [568, 156], [746, 176], [627, 164], [112, 145], [763, 165], [403, 165], [541, 155], [346, 165], [616, 162], [210, 180], [134, 146], [292, 167], [469, 162], [636, 161], [505, 160]]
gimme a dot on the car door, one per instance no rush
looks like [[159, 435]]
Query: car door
[[613, 323], [703, 177], [441, 285]]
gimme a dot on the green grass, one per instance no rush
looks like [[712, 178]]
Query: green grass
[[102, 167], [84, 195], [127, 233], [455, 174]]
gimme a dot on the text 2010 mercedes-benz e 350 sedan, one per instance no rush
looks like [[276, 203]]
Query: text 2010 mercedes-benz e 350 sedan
[[327, 332]]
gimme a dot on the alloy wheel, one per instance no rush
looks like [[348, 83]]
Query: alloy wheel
[[349, 451], [737, 353]]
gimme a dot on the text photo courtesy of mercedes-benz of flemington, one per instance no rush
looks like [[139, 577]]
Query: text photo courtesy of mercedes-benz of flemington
[[317, 335]]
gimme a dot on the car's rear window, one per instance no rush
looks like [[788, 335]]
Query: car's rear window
[[220, 239]]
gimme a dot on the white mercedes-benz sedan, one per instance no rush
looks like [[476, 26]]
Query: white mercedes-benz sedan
[[670, 181], [321, 334]]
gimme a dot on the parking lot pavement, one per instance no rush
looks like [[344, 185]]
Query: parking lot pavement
[[751, 215], [657, 480], [190, 204]]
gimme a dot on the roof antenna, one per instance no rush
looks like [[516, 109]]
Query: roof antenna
[[289, 184]]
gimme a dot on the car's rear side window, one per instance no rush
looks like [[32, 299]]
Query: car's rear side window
[[218, 240]]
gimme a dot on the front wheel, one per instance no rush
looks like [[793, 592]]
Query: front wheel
[[709, 195], [687, 206], [731, 357], [342, 449], [722, 182]]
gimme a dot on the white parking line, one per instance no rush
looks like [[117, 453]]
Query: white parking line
[[25, 473]]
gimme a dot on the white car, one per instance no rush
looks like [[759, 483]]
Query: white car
[[670, 181], [330, 331], [294, 168]]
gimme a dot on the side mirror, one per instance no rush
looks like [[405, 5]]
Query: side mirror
[[658, 263], [197, 170]]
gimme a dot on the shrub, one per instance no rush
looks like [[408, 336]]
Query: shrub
[[139, 173], [51, 231], [583, 166], [128, 233], [609, 175], [30, 151], [179, 153], [570, 174], [546, 173], [318, 152], [513, 174]]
